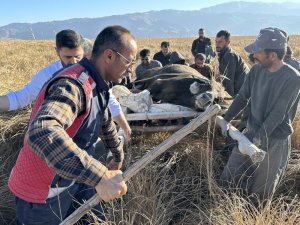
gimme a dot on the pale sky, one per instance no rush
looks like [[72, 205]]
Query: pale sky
[[31, 11]]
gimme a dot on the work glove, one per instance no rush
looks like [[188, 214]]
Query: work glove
[[244, 148], [224, 128], [256, 141]]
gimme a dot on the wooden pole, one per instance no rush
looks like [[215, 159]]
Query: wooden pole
[[162, 115], [166, 128], [146, 160], [256, 154]]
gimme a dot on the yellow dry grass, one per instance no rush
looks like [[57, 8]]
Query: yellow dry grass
[[179, 187], [20, 60]]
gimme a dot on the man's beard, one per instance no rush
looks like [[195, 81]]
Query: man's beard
[[66, 65], [219, 49], [267, 63]]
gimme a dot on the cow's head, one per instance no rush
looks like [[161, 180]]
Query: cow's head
[[203, 95], [203, 100]]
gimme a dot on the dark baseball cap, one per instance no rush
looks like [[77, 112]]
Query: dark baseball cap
[[268, 38]]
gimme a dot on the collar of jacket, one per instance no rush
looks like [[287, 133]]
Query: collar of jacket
[[101, 84], [222, 53]]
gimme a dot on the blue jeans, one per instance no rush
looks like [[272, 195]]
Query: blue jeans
[[56, 209]]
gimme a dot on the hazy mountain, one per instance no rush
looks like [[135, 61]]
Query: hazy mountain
[[240, 18]]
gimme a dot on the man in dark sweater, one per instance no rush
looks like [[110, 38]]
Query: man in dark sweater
[[231, 64], [164, 55], [273, 88], [202, 45]]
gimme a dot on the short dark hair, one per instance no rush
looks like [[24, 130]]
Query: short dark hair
[[165, 44], [110, 37], [200, 56], [68, 39], [224, 33], [201, 29], [144, 52], [279, 52]]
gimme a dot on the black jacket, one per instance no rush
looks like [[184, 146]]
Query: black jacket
[[164, 60], [199, 46], [234, 68]]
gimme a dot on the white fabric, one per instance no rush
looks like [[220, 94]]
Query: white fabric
[[29, 93], [142, 102], [23, 97], [167, 107], [56, 191], [139, 102], [114, 105]]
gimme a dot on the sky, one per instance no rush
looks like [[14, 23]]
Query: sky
[[32, 11]]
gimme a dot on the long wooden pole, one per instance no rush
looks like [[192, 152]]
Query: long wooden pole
[[162, 115], [146, 160], [166, 128]]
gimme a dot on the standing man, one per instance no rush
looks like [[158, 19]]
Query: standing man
[[202, 67], [163, 56], [55, 172], [231, 64], [273, 88], [146, 63], [202, 45]]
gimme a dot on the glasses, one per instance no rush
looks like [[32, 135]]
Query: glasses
[[129, 61]]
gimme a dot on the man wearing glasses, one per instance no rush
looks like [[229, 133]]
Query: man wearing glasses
[[55, 171], [146, 64]]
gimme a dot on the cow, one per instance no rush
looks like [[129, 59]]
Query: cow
[[180, 85]]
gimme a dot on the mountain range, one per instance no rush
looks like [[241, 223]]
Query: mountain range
[[240, 18]]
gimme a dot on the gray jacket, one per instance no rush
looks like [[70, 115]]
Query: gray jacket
[[233, 67], [274, 101]]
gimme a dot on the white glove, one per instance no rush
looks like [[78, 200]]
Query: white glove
[[256, 141], [256, 154], [244, 148], [224, 128]]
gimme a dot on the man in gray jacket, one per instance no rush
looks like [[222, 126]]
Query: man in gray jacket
[[289, 59], [146, 63], [231, 64], [273, 88]]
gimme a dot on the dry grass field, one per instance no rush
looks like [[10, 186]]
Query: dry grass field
[[177, 188]]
